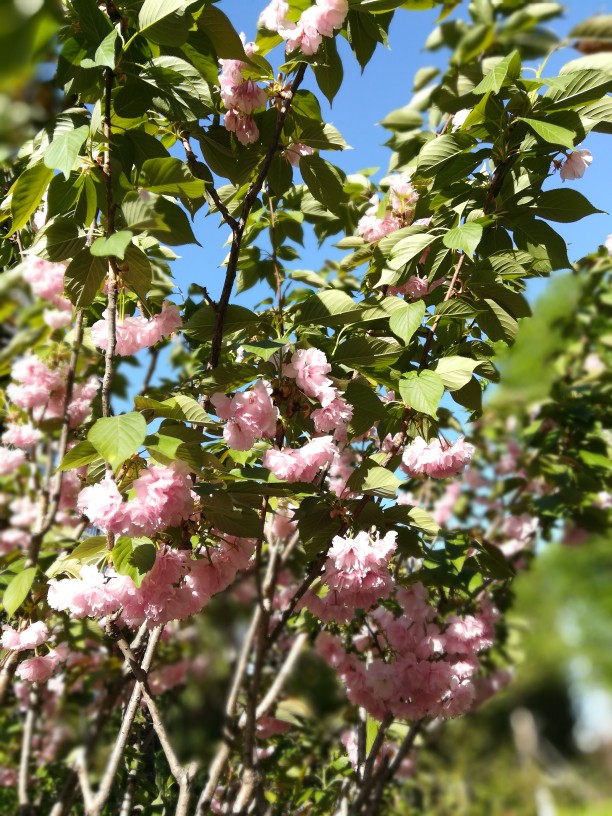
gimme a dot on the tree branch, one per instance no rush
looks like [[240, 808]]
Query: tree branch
[[238, 232], [23, 784]]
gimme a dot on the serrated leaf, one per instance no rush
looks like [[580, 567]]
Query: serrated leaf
[[564, 205], [201, 324], [553, 134], [231, 518], [366, 352], [466, 238], [423, 520], [180, 407], [455, 371], [58, 240], [330, 308], [422, 391], [116, 245], [323, 180], [133, 557], [116, 438], [374, 481], [405, 322], [17, 590], [82, 454], [83, 277], [409, 248], [222, 34], [27, 194], [63, 151], [161, 21], [91, 550], [509, 66]]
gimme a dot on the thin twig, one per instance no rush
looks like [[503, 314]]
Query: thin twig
[[23, 785], [194, 166], [238, 232]]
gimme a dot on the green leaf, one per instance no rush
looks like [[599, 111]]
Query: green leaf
[[116, 438], [27, 194], [553, 134], [231, 518], [136, 272], [63, 151], [328, 69], [374, 481], [180, 407], [171, 175], [115, 245], [365, 352], [82, 454], [406, 321], [466, 238], [403, 119], [324, 181], [91, 550], [455, 371], [166, 221], [409, 248], [133, 557], [435, 154], [222, 34], [58, 240], [564, 205], [201, 324], [423, 520], [422, 391], [83, 277], [17, 590], [508, 67], [367, 407], [163, 21], [329, 308]]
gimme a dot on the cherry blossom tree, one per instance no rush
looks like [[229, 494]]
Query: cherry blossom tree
[[267, 503]]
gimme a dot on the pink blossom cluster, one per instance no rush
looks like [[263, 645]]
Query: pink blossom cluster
[[10, 460], [414, 665], [402, 198], [356, 575], [40, 389], [295, 151], [436, 459], [521, 531], [47, 281], [301, 464], [320, 20], [162, 499], [575, 165], [21, 436], [249, 415], [35, 634], [176, 587], [136, 333], [309, 367], [415, 287], [241, 97], [40, 668]]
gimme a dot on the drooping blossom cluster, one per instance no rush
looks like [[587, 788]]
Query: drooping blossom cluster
[[21, 436], [10, 460], [162, 498], [176, 587], [356, 575], [415, 287], [576, 164], [47, 281], [136, 333], [42, 390], [241, 97], [320, 20], [301, 464], [40, 668], [414, 665], [35, 634], [249, 415], [437, 459], [402, 199]]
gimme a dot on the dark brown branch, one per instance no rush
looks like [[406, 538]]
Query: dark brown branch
[[238, 232], [195, 167]]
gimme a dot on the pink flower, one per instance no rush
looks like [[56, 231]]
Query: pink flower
[[303, 36], [249, 414], [21, 436], [460, 117], [247, 97], [244, 127], [301, 464], [29, 638], [575, 164], [327, 15], [309, 367], [415, 287], [402, 195], [373, 228], [295, 151], [100, 502], [433, 459], [46, 279], [135, 333], [340, 471], [10, 460], [274, 15], [37, 383], [335, 416], [57, 318], [24, 512], [39, 669], [90, 595]]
